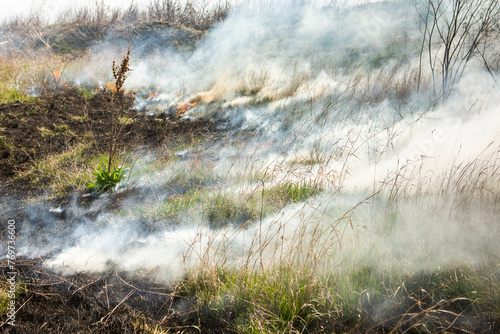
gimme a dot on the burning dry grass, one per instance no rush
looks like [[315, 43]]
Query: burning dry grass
[[24, 78], [69, 122], [277, 262], [182, 107], [305, 214]]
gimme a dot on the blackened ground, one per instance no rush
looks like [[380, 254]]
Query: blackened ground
[[83, 303], [106, 303], [119, 302], [30, 132]]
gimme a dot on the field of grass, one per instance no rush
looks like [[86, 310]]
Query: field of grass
[[287, 168]]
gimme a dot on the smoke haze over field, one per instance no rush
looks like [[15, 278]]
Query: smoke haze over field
[[309, 96]]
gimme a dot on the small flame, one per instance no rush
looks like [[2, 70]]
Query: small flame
[[153, 94], [182, 107], [110, 86]]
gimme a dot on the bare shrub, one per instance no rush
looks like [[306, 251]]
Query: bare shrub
[[455, 32], [187, 13], [88, 23]]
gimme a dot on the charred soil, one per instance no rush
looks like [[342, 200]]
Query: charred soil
[[34, 131], [112, 302]]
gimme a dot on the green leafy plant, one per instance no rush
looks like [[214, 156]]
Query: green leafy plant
[[107, 180]]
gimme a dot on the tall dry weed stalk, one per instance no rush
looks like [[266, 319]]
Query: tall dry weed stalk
[[116, 102]]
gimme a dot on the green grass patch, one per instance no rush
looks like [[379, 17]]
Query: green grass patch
[[176, 205], [14, 81], [274, 300], [46, 133], [195, 191], [7, 295], [289, 298], [70, 39], [395, 48], [63, 129], [59, 130], [11, 95], [79, 119], [87, 92], [286, 193], [222, 210]]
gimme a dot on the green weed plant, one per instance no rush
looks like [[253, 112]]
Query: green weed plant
[[107, 180]]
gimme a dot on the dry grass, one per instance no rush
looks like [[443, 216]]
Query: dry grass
[[101, 16], [289, 247], [75, 30], [62, 173], [25, 78], [189, 14], [15, 79]]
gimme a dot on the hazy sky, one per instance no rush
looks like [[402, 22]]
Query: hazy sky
[[50, 8]]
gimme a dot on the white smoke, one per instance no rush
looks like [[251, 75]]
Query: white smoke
[[307, 97]]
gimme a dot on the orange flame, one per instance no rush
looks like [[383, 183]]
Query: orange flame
[[153, 94], [110, 86], [56, 75], [182, 107]]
